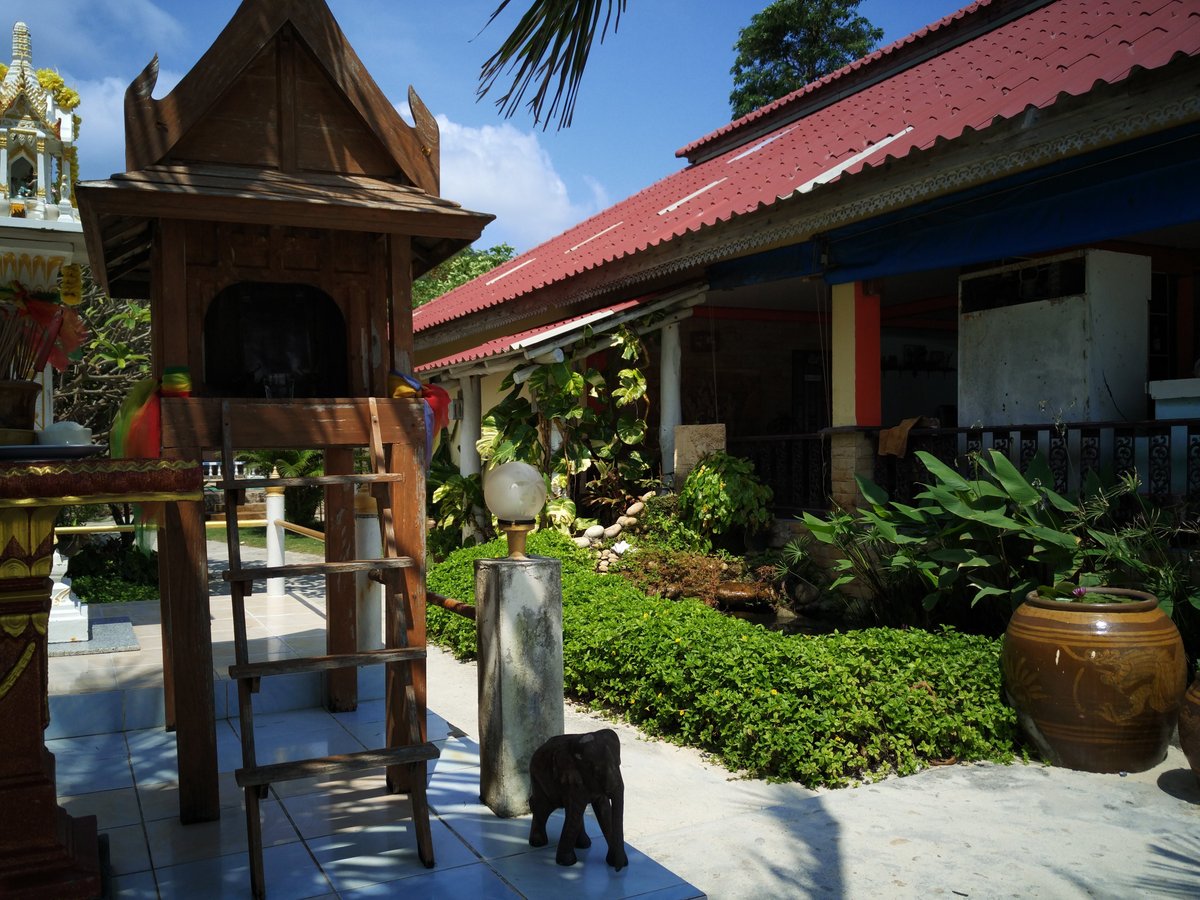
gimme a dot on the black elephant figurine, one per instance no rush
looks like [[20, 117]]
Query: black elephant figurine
[[570, 771]]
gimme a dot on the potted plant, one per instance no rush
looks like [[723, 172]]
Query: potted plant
[[36, 327], [1096, 675]]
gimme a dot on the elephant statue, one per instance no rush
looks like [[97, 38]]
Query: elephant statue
[[570, 771]]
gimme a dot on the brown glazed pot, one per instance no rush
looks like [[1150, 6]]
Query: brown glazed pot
[[1189, 726], [1096, 686]]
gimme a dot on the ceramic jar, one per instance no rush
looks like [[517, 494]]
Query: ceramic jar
[[1096, 686]]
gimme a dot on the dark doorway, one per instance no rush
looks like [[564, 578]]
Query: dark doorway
[[274, 340]]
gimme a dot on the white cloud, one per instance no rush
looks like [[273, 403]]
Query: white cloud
[[504, 171]]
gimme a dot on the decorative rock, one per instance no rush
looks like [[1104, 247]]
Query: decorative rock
[[594, 532], [626, 521], [582, 542], [646, 496], [635, 509], [612, 531]]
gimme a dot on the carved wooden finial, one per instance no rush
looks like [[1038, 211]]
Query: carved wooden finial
[[426, 124]]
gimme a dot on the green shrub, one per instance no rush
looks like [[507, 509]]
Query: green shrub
[[723, 493], [112, 558], [820, 710], [111, 589], [661, 526]]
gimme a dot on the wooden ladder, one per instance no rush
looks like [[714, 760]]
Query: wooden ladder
[[414, 753]]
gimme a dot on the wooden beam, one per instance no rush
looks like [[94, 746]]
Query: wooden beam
[[270, 423]]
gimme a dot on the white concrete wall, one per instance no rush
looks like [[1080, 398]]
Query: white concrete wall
[[1079, 358]]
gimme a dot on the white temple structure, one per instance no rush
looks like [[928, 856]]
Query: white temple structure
[[40, 232], [37, 141]]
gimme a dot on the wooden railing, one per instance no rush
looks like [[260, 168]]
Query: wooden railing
[[1164, 453]]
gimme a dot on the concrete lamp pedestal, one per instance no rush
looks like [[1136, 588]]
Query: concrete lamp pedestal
[[519, 622]]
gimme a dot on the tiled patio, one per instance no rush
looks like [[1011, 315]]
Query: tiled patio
[[323, 838]]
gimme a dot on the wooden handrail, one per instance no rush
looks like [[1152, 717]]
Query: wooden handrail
[[466, 610], [300, 529]]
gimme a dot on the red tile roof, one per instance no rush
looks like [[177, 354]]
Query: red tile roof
[[502, 345], [1062, 48]]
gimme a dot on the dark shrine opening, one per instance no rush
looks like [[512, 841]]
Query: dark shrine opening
[[274, 340]]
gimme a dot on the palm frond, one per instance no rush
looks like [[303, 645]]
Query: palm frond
[[548, 48]]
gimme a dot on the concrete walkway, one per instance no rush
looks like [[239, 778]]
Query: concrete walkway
[[959, 831]]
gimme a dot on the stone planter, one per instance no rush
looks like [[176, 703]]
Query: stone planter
[[1096, 686]]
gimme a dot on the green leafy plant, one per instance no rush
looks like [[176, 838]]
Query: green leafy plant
[[108, 570], [722, 493], [996, 535], [582, 426], [822, 710], [662, 526]]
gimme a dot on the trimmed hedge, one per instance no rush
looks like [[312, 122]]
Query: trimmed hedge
[[822, 710]]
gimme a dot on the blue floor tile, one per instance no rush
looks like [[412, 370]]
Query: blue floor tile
[[358, 859], [290, 872], [476, 881]]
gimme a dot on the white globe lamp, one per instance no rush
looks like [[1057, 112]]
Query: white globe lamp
[[515, 492]]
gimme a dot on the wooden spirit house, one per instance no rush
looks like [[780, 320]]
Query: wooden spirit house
[[274, 212]]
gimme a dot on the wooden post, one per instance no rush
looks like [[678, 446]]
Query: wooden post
[[185, 592], [408, 504], [341, 632]]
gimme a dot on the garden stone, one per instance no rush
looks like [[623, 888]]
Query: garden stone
[[635, 509], [582, 543], [646, 496], [612, 531], [594, 532], [626, 521]]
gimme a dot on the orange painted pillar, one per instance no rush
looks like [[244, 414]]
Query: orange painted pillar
[[856, 387]]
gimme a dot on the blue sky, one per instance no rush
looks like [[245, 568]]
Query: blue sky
[[660, 82]]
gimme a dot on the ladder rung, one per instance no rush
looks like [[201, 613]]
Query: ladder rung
[[324, 663], [239, 484], [255, 573], [325, 765]]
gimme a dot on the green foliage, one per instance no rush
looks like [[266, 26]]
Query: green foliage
[[661, 526], [115, 357], [825, 710], [722, 493], [792, 43], [108, 570], [995, 537], [597, 464], [460, 268], [111, 589]]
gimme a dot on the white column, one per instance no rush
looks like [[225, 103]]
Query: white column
[[469, 432], [368, 594], [276, 512], [670, 410], [469, 428]]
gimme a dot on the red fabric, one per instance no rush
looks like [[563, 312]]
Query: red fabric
[[439, 401], [144, 439]]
